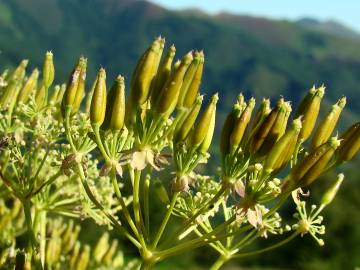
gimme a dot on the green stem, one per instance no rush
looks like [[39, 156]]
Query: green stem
[[281, 243], [136, 200], [165, 220], [99, 143], [219, 262], [67, 128], [42, 237], [146, 203]]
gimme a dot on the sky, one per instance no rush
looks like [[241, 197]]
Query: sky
[[344, 11]]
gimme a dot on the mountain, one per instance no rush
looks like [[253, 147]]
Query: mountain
[[259, 56]]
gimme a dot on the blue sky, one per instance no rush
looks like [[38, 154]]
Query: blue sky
[[345, 11]]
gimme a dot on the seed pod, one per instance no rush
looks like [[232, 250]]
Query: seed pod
[[108, 258], [204, 146], [61, 93], [89, 97], [71, 88], [144, 74], [262, 112], [328, 124], [19, 72], [53, 251], [83, 259], [98, 102], [188, 78], [313, 165], [115, 107], [163, 74], [41, 95], [161, 192], [309, 109], [80, 92], [101, 247], [241, 124], [48, 70], [283, 149], [29, 86], [269, 130], [330, 194], [54, 95], [203, 127], [75, 255], [170, 93], [226, 132], [350, 144], [193, 90], [183, 131], [175, 67], [10, 95]]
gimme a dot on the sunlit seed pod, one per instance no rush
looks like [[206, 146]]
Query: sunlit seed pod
[[275, 117], [83, 259], [10, 93], [163, 74], [98, 102], [202, 128], [188, 78], [101, 247], [75, 255], [40, 97], [241, 124], [161, 192], [156, 65], [89, 97], [48, 70], [193, 89], [144, 74], [309, 109], [71, 88], [170, 93], [53, 251], [19, 72], [313, 165], [283, 149], [330, 194], [184, 129], [328, 124], [261, 113], [109, 256], [54, 95], [80, 92], [287, 115], [61, 93], [205, 145], [118, 260], [115, 107], [350, 144], [29, 86]]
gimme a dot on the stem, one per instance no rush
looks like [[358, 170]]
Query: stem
[[219, 262], [67, 128], [146, 203], [42, 237], [99, 143], [136, 200], [165, 220], [283, 242]]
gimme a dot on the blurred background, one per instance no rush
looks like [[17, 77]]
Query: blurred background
[[262, 48]]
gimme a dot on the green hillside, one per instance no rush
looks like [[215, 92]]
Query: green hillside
[[260, 57]]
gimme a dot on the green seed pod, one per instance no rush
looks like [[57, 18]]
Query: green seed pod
[[71, 88], [10, 94], [269, 130], [40, 97], [61, 93], [309, 109], [205, 145], [350, 144], [80, 92], [328, 124], [170, 93], [48, 70], [54, 95], [53, 251], [241, 124], [75, 255], [193, 89], [184, 129], [108, 258], [101, 247], [83, 259], [262, 113], [144, 74], [226, 132], [89, 97], [175, 67], [203, 127], [163, 74], [188, 78], [330, 194], [115, 107], [313, 165], [19, 72], [29, 86], [283, 149], [161, 192], [98, 102]]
